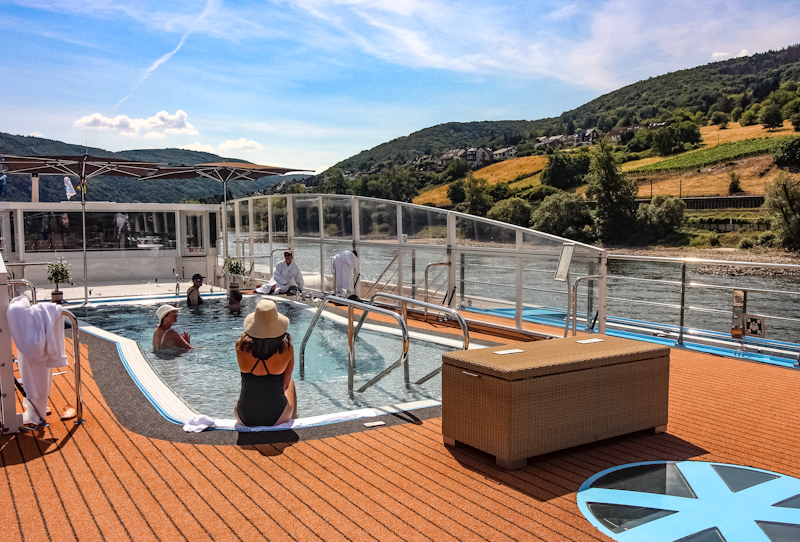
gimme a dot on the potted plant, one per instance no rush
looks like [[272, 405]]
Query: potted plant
[[234, 267], [58, 273]]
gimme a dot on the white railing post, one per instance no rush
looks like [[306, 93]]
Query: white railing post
[[601, 295], [399, 209], [451, 245], [519, 261], [8, 401]]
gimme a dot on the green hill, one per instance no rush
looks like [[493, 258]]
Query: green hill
[[120, 189], [719, 86]]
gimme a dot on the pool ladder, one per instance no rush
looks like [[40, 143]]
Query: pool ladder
[[353, 332]]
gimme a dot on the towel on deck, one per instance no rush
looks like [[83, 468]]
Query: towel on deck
[[202, 422]]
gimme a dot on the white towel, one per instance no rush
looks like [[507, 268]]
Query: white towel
[[38, 333], [201, 422]]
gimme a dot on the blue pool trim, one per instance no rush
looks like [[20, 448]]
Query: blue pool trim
[[136, 381], [97, 301]]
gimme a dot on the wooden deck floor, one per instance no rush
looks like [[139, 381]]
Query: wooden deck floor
[[99, 481]]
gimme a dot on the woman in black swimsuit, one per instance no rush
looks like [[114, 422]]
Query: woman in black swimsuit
[[266, 361]]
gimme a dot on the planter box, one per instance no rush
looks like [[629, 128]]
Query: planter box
[[554, 395]]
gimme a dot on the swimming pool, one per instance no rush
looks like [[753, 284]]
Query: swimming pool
[[207, 377]]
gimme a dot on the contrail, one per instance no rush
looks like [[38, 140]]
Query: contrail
[[211, 6]]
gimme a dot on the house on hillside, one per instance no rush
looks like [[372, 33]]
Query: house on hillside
[[617, 133], [587, 137], [504, 153], [450, 155], [554, 142], [478, 157]]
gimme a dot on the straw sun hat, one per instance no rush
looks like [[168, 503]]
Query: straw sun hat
[[266, 322]]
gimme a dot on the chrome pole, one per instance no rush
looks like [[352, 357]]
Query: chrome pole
[[83, 227], [76, 356], [351, 352]]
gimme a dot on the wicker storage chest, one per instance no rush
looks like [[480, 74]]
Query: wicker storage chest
[[555, 394]]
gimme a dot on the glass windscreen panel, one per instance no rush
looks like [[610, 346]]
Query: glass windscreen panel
[[194, 235], [279, 220], [541, 243], [477, 233], [486, 283], [379, 270], [307, 257], [48, 231], [337, 218], [378, 221], [424, 226], [306, 216], [415, 262]]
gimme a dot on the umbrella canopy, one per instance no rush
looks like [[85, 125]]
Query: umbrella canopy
[[221, 171], [84, 166]]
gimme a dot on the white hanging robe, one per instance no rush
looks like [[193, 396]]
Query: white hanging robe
[[344, 265]]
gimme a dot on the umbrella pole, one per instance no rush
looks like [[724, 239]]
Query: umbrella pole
[[225, 223], [83, 228]]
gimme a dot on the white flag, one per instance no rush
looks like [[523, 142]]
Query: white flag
[[69, 188]]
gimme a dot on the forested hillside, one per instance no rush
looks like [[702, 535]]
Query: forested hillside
[[123, 190], [720, 86]]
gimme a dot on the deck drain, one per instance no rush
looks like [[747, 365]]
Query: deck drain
[[692, 501]]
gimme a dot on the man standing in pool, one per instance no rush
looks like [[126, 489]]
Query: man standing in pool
[[193, 293], [285, 271], [166, 337]]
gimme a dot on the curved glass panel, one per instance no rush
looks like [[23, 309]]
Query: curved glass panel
[[476, 233], [306, 216], [337, 218], [780, 532], [424, 226], [709, 535], [279, 221], [377, 221], [739, 479]]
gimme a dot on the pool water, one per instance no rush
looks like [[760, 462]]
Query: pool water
[[207, 377]]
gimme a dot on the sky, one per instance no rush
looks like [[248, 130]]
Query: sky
[[308, 83]]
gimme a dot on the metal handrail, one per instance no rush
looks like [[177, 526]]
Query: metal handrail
[[351, 357], [76, 351], [27, 283], [404, 301], [703, 261], [575, 301], [377, 281], [427, 269]]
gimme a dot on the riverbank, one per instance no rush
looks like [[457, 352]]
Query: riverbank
[[772, 256]]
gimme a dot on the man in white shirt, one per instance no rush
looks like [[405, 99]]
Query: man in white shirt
[[344, 265], [285, 271]]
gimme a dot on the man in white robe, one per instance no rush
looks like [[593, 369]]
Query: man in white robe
[[281, 279], [344, 266]]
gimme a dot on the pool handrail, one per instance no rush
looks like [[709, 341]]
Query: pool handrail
[[427, 268], [76, 350], [575, 302], [351, 357], [404, 301]]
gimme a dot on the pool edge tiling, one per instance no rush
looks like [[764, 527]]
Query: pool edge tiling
[[174, 409]]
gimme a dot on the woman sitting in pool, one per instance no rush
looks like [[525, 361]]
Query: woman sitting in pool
[[266, 361], [166, 337]]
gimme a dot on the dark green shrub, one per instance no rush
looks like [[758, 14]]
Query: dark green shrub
[[713, 239], [735, 185], [746, 243], [787, 154], [767, 239], [566, 215]]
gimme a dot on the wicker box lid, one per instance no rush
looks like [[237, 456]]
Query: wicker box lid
[[553, 356]]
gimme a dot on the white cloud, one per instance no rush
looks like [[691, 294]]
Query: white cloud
[[744, 52], [35, 134], [200, 147], [240, 144], [162, 121], [717, 56], [154, 135]]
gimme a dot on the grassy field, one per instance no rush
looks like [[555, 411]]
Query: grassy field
[[505, 171]]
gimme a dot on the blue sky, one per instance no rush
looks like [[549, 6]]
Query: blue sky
[[308, 83]]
